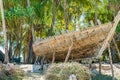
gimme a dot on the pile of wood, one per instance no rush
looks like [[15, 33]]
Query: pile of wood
[[86, 43]]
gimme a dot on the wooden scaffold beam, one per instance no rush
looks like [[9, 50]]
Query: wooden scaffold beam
[[110, 35]]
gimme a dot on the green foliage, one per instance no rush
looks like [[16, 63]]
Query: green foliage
[[20, 18], [118, 28], [40, 12], [1, 41]]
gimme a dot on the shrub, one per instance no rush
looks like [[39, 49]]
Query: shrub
[[62, 71], [11, 73]]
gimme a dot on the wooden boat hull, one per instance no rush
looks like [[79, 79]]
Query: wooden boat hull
[[86, 43]]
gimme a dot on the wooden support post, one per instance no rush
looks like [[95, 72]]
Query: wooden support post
[[109, 55], [42, 61], [116, 47], [36, 60], [99, 23], [69, 51], [100, 66], [111, 64], [90, 64], [92, 23], [53, 59]]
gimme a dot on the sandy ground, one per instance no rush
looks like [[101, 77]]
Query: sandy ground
[[106, 70], [33, 72]]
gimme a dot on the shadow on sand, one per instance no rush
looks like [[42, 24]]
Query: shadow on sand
[[102, 77]]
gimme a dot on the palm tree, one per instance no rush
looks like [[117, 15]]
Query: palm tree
[[4, 33], [65, 14], [53, 18], [29, 55]]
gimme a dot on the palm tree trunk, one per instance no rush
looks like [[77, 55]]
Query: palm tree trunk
[[96, 12], [4, 32], [32, 28], [30, 41], [53, 18], [10, 49], [65, 14], [30, 49], [28, 3]]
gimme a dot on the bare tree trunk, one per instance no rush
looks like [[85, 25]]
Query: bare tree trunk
[[4, 32], [65, 14], [53, 18]]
